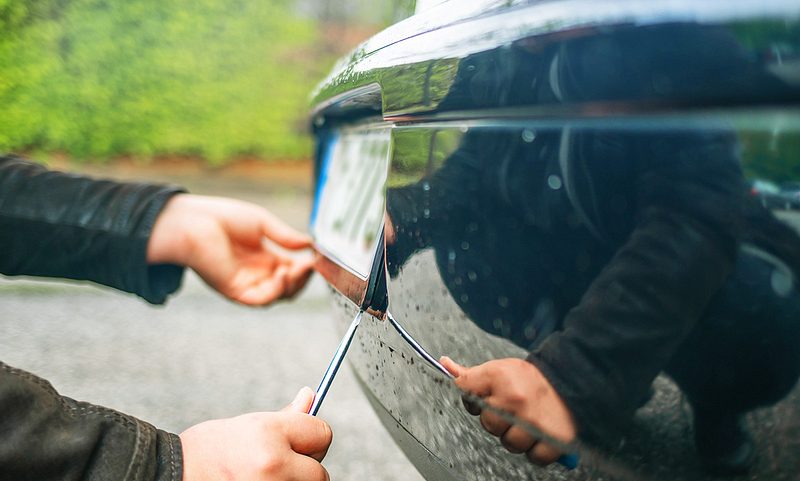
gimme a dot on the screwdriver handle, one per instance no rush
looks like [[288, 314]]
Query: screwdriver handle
[[569, 461]]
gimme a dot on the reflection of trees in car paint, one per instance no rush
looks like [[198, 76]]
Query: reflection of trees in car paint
[[772, 155], [491, 79], [415, 152], [419, 86]]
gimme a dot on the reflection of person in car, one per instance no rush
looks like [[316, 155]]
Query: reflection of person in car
[[612, 255]]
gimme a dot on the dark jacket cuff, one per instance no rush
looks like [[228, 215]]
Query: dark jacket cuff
[[169, 457], [596, 422], [55, 224], [152, 282]]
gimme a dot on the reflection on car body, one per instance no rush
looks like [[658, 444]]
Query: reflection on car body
[[579, 193]]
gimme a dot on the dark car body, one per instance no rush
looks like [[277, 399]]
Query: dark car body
[[492, 148]]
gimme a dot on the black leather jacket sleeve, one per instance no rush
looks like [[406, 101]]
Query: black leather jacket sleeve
[[652, 293], [54, 224], [61, 225], [47, 437]]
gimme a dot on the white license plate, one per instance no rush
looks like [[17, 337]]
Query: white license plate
[[347, 217]]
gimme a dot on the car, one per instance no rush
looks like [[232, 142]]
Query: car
[[773, 196], [481, 164], [791, 192], [768, 193]]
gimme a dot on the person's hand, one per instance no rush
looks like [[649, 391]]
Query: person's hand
[[389, 232], [223, 240], [518, 388], [280, 446]]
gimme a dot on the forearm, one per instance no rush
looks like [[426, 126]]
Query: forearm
[[46, 436], [686, 225], [632, 319], [60, 225]]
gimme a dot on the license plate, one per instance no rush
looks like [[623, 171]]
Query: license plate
[[347, 217]]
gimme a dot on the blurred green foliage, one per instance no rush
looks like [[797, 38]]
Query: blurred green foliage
[[369, 12], [418, 153], [771, 156], [211, 78], [419, 86]]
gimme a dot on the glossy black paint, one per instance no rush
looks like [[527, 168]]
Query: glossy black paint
[[521, 135], [574, 57]]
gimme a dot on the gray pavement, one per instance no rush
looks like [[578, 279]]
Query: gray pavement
[[199, 357]]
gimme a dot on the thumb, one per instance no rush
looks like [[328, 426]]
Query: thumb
[[301, 402], [455, 368]]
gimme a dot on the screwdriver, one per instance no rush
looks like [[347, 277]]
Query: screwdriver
[[416, 346], [335, 364], [569, 461], [344, 345]]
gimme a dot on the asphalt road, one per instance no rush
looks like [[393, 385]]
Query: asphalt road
[[200, 357]]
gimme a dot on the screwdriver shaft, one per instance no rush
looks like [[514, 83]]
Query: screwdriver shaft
[[334, 365]]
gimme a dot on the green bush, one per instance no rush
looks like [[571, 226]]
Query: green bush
[[102, 78]]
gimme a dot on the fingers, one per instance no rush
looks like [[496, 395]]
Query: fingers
[[512, 386], [457, 370], [299, 273], [269, 289], [543, 454], [389, 232], [470, 406], [280, 233], [476, 380], [301, 402], [494, 424], [517, 440], [304, 468], [308, 435], [271, 278]]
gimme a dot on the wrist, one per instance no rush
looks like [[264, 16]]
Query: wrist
[[169, 238]]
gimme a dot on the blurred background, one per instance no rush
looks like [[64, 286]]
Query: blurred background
[[212, 80], [211, 95]]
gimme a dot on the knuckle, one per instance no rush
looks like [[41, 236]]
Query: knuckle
[[491, 368], [271, 464], [542, 391], [515, 397]]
